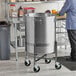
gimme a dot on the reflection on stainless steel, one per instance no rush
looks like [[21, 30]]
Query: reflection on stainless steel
[[40, 31]]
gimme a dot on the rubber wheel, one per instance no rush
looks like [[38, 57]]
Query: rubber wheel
[[27, 62], [36, 69], [47, 61], [57, 65]]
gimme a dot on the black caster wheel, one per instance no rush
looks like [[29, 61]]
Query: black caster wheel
[[57, 65], [27, 62], [47, 61], [36, 68]]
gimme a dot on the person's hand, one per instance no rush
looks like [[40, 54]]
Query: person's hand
[[57, 14]]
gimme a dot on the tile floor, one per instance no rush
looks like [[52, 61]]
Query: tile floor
[[17, 68]]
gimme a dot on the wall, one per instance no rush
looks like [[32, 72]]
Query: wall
[[42, 7], [2, 10]]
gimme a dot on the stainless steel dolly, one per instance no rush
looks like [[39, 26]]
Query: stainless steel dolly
[[40, 38]]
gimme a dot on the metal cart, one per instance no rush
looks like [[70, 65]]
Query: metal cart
[[15, 22], [40, 38]]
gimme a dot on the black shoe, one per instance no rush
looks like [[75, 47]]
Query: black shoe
[[70, 59]]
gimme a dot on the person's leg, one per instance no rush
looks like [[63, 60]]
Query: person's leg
[[72, 39]]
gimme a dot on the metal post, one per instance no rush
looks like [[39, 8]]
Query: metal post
[[26, 53], [15, 33], [34, 49], [55, 45], [20, 36], [34, 56], [55, 51]]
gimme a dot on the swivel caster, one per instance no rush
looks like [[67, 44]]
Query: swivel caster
[[36, 68], [27, 62], [57, 65], [47, 61]]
